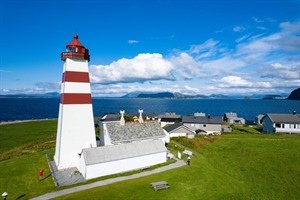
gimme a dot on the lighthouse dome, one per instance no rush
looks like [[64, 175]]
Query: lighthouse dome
[[75, 50]]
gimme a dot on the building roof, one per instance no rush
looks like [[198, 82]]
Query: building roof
[[169, 116], [116, 116], [231, 115], [173, 127], [75, 42], [285, 118], [122, 151], [134, 131], [176, 126], [202, 119], [171, 119]]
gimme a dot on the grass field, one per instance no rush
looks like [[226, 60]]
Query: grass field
[[231, 166]]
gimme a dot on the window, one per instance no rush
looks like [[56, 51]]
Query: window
[[204, 125], [278, 125], [72, 49]]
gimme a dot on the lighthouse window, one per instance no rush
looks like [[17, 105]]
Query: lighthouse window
[[72, 49]]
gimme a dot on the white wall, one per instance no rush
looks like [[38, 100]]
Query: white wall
[[180, 132], [119, 166], [74, 87], [76, 132], [288, 128], [76, 65], [210, 128]]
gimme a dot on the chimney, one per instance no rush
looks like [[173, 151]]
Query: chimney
[[141, 117], [122, 120]]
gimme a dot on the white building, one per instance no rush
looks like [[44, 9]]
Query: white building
[[232, 118], [180, 130], [124, 147], [203, 124], [112, 159], [281, 123]]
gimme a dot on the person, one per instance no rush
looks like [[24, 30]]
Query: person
[[41, 173], [189, 160]]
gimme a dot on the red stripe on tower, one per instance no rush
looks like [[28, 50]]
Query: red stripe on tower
[[69, 98], [69, 76]]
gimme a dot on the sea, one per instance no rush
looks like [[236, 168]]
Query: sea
[[12, 109]]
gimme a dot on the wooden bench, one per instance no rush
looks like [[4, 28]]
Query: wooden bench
[[160, 185]]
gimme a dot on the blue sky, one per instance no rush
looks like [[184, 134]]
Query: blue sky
[[193, 47]]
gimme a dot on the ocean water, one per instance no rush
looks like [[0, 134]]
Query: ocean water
[[42, 108]]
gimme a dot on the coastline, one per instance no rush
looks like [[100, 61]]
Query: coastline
[[23, 121]]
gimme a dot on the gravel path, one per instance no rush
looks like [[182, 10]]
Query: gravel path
[[51, 195]]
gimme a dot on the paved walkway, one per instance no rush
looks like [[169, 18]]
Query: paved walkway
[[66, 176], [51, 195]]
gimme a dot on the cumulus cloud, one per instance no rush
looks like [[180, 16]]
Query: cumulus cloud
[[234, 81], [252, 65], [133, 41], [143, 67]]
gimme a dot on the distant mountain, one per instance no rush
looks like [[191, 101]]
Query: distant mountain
[[268, 96], [273, 96], [46, 95], [295, 95], [171, 95], [156, 95], [131, 95], [218, 96]]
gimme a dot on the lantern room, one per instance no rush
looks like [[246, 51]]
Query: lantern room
[[75, 50]]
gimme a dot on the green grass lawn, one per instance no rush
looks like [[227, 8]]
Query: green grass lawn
[[230, 166]]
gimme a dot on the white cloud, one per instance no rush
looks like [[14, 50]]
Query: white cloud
[[259, 62], [280, 71], [133, 41], [209, 45], [234, 81], [143, 67], [239, 29], [257, 20], [244, 37]]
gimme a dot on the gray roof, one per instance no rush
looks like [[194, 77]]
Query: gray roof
[[285, 118], [169, 115], [134, 131], [202, 119], [173, 127], [231, 115], [122, 151], [176, 126]]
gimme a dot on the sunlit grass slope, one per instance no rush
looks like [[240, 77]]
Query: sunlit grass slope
[[241, 165]]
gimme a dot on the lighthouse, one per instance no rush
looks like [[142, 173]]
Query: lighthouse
[[75, 129]]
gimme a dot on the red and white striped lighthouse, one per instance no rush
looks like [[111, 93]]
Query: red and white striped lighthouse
[[75, 129]]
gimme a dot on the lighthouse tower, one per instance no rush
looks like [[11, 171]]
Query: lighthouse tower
[[75, 129]]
